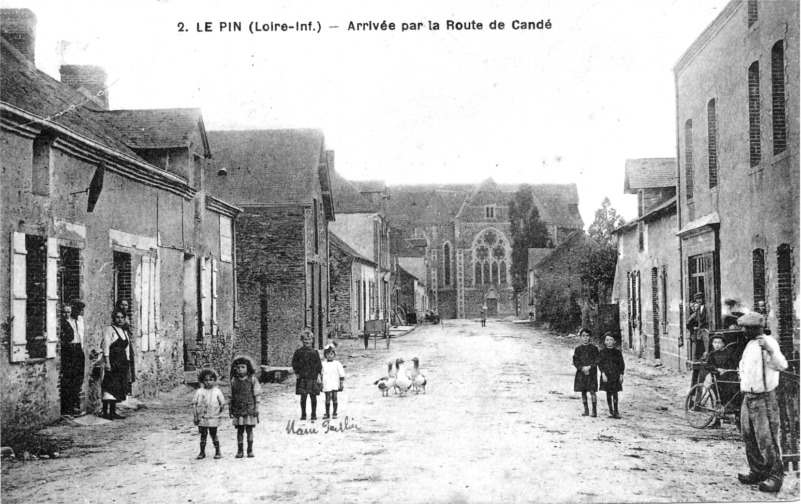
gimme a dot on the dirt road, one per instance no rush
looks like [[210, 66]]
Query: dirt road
[[499, 423]]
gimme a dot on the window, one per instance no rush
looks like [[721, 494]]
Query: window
[[490, 212], [702, 277], [754, 135], [758, 261], [753, 12], [123, 280], [446, 255], [226, 240], [777, 88], [42, 167], [784, 257], [490, 258], [688, 157], [316, 231], [640, 236], [68, 277], [34, 297], [712, 142]]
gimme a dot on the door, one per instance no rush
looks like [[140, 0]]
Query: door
[[492, 307], [190, 311]]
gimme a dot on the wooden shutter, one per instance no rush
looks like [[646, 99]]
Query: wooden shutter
[[214, 325], [51, 312], [205, 299], [155, 296], [19, 297], [143, 278]]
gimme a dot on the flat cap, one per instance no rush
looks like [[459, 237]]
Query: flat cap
[[752, 319], [698, 295]]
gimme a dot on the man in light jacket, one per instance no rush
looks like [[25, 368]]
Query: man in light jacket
[[759, 416]]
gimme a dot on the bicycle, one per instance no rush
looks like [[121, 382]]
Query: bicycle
[[703, 405]]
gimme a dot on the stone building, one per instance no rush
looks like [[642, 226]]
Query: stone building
[[468, 244], [362, 225], [102, 205], [281, 180], [737, 130], [557, 292], [647, 278], [352, 281]]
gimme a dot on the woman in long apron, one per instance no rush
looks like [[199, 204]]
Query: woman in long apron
[[119, 365]]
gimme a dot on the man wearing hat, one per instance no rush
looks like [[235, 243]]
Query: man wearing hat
[[698, 322], [759, 416], [72, 357]]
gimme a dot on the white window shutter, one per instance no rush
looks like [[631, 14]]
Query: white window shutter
[[156, 297], [143, 289], [204, 314], [214, 325], [19, 297], [52, 297]]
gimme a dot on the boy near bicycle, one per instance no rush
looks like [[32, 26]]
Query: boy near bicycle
[[722, 364]]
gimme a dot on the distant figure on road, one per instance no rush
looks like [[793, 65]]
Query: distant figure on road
[[585, 358], [612, 366], [484, 315], [759, 368], [307, 366], [244, 409]]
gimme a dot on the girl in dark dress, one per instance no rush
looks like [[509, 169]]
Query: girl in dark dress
[[244, 408], [585, 359], [119, 365], [612, 368], [307, 366]]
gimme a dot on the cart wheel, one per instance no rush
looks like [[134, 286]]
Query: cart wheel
[[700, 406]]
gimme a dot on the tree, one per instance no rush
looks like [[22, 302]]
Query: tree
[[598, 270], [528, 231], [606, 220]]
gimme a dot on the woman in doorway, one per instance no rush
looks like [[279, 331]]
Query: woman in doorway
[[118, 363]]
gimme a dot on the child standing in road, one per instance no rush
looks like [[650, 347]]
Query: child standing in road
[[333, 380], [585, 359], [244, 409], [612, 367], [307, 366], [207, 406]]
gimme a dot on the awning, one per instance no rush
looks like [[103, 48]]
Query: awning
[[698, 226]]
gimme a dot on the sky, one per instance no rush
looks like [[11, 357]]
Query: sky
[[567, 104]]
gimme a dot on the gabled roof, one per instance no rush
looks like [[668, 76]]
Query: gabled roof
[[649, 173], [337, 242], [558, 204], [425, 204], [38, 94], [161, 128], [571, 238], [347, 198], [535, 255], [268, 167]]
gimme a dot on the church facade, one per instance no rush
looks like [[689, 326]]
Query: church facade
[[469, 244]]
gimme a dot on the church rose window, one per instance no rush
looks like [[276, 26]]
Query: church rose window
[[490, 259]]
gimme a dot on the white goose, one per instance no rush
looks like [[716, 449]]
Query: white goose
[[418, 379], [403, 381], [387, 382]]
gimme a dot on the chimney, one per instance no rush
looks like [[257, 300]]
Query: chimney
[[18, 27], [88, 79]]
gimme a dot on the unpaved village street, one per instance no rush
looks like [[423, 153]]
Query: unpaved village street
[[499, 423]]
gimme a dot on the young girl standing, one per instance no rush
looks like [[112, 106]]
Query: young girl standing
[[307, 366], [244, 409], [333, 380], [612, 367], [207, 406], [585, 358]]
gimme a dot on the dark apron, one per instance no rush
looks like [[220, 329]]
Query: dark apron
[[117, 382]]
